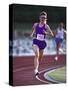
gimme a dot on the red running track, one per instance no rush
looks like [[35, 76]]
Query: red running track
[[23, 69]]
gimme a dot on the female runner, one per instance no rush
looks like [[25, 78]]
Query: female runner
[[40, 29]]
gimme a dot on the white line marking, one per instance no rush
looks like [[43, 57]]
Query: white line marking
[[20, 69], [47, 71], [48, 78], [42, 80]]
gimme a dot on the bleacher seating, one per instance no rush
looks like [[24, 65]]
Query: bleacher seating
[[23, 47]]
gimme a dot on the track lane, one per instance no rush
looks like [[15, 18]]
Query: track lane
[[23, 69]]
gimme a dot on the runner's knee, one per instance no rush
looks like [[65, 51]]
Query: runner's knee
[[37, 55]]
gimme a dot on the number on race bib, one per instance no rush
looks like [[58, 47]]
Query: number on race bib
[[40, 37]]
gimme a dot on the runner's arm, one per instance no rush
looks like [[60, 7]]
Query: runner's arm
[[65, 31], [33, 30], [50, 31]]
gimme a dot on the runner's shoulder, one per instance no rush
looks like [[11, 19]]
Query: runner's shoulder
[[35, 24], [46, 25]]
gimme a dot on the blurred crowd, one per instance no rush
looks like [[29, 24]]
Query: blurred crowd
[[22, 46]]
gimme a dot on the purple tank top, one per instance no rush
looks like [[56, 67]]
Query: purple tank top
[[40, 30]]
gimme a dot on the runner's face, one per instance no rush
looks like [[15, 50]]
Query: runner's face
[[61, 25], [42, 19]]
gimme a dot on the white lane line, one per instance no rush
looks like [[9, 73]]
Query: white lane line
[[48, 69], [24, 68], [37, 77], [48, 78], [20, 69], [42, 80]]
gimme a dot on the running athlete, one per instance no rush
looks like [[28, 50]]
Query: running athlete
[[59, 37], [40, 30]]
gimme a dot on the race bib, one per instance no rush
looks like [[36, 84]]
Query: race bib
[[40, 37]]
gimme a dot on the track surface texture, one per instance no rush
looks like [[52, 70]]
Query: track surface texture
[[23, 69]]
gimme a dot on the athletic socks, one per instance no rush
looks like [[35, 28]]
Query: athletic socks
[[36, 71], [56, 58], [61, 50]]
